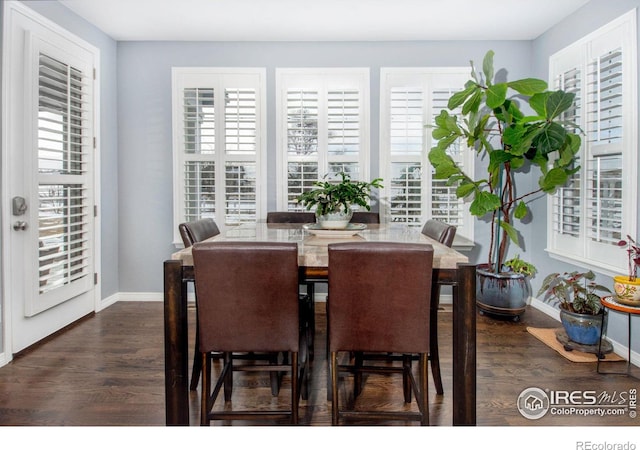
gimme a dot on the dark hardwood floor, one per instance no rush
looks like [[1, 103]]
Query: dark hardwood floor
[[108, 370]]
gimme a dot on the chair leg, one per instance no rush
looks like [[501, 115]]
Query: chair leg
[[406, 378], [275, 376], [197, 361], [433, 338], [312, 318], [357, 375], [334, 388], [228, 379], [295, 393], [205, 363], [424, 389]]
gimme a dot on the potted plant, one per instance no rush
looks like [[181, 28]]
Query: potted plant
[[627, 288], [334, 200], [578, 297], [515, 126]]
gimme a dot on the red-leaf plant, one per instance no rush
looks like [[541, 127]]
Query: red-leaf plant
[[634, 256]]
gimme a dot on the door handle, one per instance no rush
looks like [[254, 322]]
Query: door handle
[[20, 225]]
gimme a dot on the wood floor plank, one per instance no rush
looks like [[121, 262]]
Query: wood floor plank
[[108, 369]]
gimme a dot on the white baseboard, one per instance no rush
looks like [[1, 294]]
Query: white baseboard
[[144, 297]]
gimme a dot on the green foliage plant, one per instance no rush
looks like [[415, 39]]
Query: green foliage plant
[[574, 291], [331, 197], [514, 125]]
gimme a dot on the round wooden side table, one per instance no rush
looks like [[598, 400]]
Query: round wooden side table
[[612, 303]]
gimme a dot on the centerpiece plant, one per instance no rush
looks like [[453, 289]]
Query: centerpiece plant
[[514, 126], [338, 197]]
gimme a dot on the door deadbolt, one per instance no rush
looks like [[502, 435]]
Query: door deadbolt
[[18, 206], [20, 225]]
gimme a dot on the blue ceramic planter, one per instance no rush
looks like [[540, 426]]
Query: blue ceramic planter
[[581, 328], [505, 294]]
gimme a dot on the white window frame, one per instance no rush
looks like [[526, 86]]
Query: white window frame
[[322, 79], [581, 250], [218, 78], [426, 80]]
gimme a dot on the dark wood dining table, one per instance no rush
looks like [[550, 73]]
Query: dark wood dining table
[[449, 267]]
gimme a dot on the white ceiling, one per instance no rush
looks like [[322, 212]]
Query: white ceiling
[[323, 20]]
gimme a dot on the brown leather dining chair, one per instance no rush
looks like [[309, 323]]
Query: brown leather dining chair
[[379, 301], [248, 302], [197, 231], [365, 217], [443, 233], [306, 300], [291, 217], [191, 233]]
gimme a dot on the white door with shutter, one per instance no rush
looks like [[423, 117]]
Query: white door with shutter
[[49, 151]]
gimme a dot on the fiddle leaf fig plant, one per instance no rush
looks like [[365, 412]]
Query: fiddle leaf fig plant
[[513, 125]]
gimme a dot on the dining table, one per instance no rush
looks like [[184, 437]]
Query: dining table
[[450, 267]]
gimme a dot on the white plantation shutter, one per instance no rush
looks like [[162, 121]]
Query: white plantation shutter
[[322, 125], [567, 212], [406, 141], [604, 143], [65, 139], [343, 111], [218, 144], [410, 101], [445, 206], [302, 144], [598, 207]]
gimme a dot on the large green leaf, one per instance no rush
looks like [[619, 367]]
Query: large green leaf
[[552, 179], [483, 203], [438, 156], [473, 102], [528, 86], [511, 232], [521, 210], [498, 157], [459, 98], [513, 135], [487, 67], [446, 142], [465, 189], [444, 171], [551, 137], [557, 103], [440, 133], [496, 95], [538, 103]]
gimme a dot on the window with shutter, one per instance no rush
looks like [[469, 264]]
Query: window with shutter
[[322, 124], [65, 144], [410, 100], [597, 207], [218, 144]]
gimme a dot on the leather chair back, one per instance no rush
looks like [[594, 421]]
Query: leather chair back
[[365, 217], [291, 217], [247, 296], [440, 231], [379, 297], [197, 231]]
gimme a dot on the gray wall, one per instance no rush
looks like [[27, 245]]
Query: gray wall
[[108, 202]]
